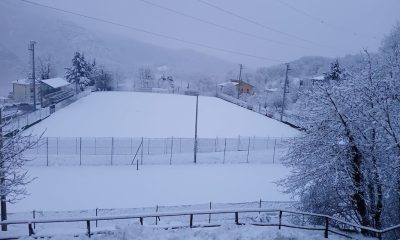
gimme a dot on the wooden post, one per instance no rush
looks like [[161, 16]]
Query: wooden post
[[326, 227], [191, 220], [280, 219], [34, 217], [223, 162], [172, 145], [156, 217], [88, 228], [141, 221], [137, 164], [96, 216], [30, 229], [57, 144], [237, 218], [180, 145], [259, 205], [215, 144], [238, 145], [209, 215]]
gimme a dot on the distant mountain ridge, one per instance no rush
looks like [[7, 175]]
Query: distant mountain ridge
[[59, 37]]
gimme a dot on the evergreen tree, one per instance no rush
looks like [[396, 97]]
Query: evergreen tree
[[336, 73], [80, 73]]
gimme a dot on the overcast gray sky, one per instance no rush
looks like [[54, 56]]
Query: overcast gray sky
[[308, 27]]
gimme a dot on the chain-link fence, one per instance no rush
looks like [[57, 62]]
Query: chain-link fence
[[131, 151]]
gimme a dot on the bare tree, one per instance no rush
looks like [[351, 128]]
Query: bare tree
[[45, 68], [13, 178]]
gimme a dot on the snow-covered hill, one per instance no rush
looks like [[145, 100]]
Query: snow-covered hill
[[59, 37], [127, 114]]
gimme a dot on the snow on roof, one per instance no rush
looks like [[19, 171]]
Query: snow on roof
[[271, 89], [318, 78], [228, 83], [23, 81], [56, 82]]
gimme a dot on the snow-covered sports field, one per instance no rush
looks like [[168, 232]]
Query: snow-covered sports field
[[127, 114], [80, 188]]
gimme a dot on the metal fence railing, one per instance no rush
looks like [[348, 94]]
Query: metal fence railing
[[126, 151], [198, 218]]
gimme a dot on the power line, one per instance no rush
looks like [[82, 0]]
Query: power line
[[320, 20], [220, 26], [154, 33], [262, 25]]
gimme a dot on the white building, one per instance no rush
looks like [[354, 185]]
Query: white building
[[23, 90]]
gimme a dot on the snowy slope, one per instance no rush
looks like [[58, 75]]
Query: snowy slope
[[127, 114]]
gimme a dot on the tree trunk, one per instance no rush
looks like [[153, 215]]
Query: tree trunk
[[3, 212], [2, 180]]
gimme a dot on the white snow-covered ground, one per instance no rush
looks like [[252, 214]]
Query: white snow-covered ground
[[128, 114], [225, 232], [77, 188]]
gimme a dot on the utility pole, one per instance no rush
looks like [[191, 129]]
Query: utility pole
[[32, 49], [195, 129], [240, 79], [2, 179], [285, 90]]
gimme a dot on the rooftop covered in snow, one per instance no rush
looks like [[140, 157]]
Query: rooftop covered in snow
[[56, 82]]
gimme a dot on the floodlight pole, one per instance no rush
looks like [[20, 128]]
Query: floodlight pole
[[195, 129]]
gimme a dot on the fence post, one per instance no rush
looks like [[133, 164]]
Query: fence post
[[237, 218], [141, 154], [30, 229], [47, 151], [273, 156], [57, 145], [326, 227], [248, 151], [280, 220], [259, 205], [34, 217], [180, 145], [254, 142], [238, 145], [148, 146], [96, 216], [191, 220], [141, 221], [88, 228], [156, 212], [80, 151], [172, 145], [112, 150], [215, 144], [209, 215], [223, 162]]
